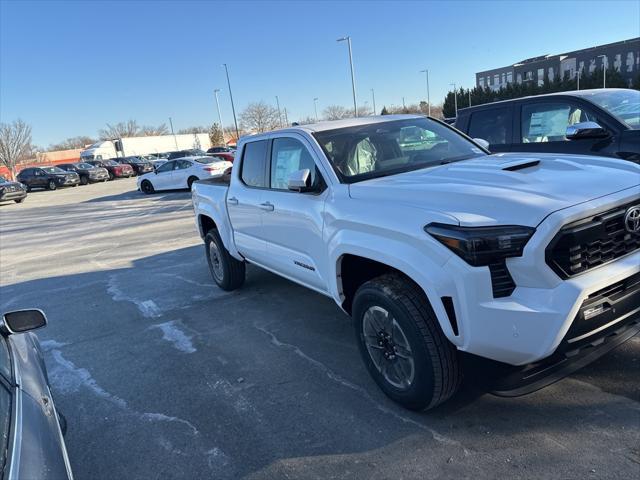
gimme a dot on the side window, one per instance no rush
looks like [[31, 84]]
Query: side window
[[38, 173], [287, 156], [548, 122], [167, 167], [253, 164], [491, 125], [182, 164]]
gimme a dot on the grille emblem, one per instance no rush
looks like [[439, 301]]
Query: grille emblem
[[632, 220]]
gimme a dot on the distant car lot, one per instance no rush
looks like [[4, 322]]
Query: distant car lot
[[161, 375]]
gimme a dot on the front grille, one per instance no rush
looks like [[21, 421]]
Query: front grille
[[591, 242]]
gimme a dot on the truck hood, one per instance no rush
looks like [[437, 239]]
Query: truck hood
[[508, 189]]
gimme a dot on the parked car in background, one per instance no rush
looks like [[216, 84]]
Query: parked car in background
[[115, 169], [47, 178], [194, 152], [88, 173], [220, 150], [31, 430], [588, 122], [138, 164], [435, 247], [181, 173], [12, 191], [228, 156]]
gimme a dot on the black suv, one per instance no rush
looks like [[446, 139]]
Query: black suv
[[88, 173], [48, 178], [139, 165], [193, 152], [12, 191], [587, 122]]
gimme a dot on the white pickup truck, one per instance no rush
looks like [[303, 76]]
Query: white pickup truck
[[437, 249]]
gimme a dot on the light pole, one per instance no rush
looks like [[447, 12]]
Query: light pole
[[578, 77], [373, 97], [215, 92], [604, 70], [175, 140], [279, 114], [233, 108], [315, 107], [353, 80], [469, 97], [426, 72], [455, 98]]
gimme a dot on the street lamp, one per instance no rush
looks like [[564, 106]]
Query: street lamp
[[373, 97], [353, 80], [233, 108], [215, 92], [604, 71], [426, 72], [279, 114], [315, 107], [175, 140], [455, 98]]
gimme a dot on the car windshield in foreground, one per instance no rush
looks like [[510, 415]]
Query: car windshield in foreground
[[379, 149], [53, 170], [623, 104]]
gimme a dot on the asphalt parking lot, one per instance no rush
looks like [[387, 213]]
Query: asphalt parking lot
[[162, 375]]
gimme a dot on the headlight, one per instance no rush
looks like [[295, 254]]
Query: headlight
[[480, 246]]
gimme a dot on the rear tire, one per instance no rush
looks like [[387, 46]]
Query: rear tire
[[111, 176], [52, 185], [147, 187], [404, 349], [190, 181], [84, 180], [19, 200], [227, 272]]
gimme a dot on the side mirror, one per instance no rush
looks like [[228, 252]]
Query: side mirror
[[482, 142], [585, 130], [300, 180], [20, 321]]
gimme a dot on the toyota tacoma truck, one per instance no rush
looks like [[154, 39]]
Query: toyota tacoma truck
[[437, 249]]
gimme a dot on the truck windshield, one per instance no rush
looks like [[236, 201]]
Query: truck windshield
[[624, 104], [375, 150]]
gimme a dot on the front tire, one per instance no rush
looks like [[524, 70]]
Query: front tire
[[227, 272], [52, 185], [147, 187], [84, 180], [19, 200], [111, 176], [402, 344]]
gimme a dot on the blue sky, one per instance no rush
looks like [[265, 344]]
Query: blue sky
[[68, 68]]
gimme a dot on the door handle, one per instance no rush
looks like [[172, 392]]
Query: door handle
[[232, 201], [268, 206]]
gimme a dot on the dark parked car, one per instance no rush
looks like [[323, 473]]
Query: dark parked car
[[139, 165], [47, 177], [228, 156], [115, 169], [12, 191], [588, 122], [88, 173], [193, 152], [220, 150], [31, 430]]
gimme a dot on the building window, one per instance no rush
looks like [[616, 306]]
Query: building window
[[540, 77], [617, 62], [496, 79], [551, 74], [509, 77], [528, 75], [481, 82], [504, 78], [630, 62], [519, 78]]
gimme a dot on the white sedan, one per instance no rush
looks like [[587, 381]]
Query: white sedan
[[181, 173]]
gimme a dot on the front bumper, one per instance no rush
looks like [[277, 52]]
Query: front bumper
[[15, 195], [98, 177]]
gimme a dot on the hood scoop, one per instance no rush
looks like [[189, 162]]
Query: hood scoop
[[521, 166]]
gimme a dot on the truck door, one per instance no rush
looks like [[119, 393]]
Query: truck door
[[293, 221], [244, 202]]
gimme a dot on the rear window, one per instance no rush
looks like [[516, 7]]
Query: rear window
[[490, 125], [254, 164]]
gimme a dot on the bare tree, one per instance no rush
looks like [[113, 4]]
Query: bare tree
[[259, 117], [306, 120], [336, 112], [150, 131], [216, 136], [15, 144], [72, 142], [121, 129], [193, 130]]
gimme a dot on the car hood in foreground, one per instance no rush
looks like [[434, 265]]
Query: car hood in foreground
[[517, 189]]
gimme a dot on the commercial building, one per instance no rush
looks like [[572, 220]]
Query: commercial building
[[624, 56]]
